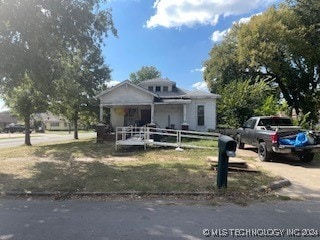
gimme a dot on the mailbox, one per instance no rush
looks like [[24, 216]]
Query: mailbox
[[227, 148]]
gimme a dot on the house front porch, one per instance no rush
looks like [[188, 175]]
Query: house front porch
[[164, 115]]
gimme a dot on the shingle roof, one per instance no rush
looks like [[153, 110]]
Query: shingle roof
[[156, 81], [178, 93], [122, 83], [201, 94]]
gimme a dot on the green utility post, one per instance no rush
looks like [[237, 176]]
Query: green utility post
[[227, 148]]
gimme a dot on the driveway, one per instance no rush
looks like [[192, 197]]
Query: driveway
[[304, 177]]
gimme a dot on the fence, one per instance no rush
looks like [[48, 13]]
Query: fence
[[144, 136]]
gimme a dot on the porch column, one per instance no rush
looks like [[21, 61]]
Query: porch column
[[185, 125], [152, 113], [101, 113], [184, 113]]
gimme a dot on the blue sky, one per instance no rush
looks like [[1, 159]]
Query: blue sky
[[175, 36]]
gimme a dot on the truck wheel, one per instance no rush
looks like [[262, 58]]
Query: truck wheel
[[264, 154], [308, 157], [240, 144]]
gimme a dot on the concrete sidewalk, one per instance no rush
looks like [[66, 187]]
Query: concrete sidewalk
[[304, 177]]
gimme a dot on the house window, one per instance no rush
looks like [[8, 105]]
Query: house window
[[54, 124], [150, 89], [158, 89], [200, 114], [165, 89]]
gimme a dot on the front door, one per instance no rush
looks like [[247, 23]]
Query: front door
[[145, 116]]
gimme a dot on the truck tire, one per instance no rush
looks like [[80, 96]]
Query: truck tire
[[264, 154], [240, 144], [307, 157]]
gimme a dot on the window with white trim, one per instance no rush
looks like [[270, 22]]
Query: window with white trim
[[200, 115]]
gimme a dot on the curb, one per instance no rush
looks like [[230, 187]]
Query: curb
[[97, 194], [275, 185]]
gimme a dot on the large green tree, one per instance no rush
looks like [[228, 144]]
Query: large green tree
[[84, 76], [280, 46], [145, 73], [35, 35]]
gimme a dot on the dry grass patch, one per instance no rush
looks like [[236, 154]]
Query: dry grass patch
[[85, 166]]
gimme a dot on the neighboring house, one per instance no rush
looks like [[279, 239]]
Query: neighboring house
[[159, 102], [52, 122], [6, 118]]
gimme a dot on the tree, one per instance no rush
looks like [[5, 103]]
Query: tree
[[222, 67], [240, 100], [275, 46], [35, 35], [26, 99], [145, 73], [82, 79]]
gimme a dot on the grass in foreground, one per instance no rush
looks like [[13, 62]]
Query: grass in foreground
[[85, 166]]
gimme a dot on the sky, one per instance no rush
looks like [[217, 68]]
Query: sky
[[175, 36]]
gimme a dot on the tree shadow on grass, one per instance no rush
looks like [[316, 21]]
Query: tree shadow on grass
[[94, 176], [87, 166], [91, 149], [65, 151]]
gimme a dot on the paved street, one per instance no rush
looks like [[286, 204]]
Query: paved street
[[16, 139], [28, 219]]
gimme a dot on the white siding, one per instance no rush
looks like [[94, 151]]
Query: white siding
[[126, 95], [210, 114], [162, 114]]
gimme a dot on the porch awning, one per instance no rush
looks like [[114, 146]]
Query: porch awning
[[124, 104], [173, 101]]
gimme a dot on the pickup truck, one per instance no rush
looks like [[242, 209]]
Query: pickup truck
[[12, 128], [267, 134]]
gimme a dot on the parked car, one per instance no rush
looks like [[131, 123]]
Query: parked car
[[13, 127], [277, 135]]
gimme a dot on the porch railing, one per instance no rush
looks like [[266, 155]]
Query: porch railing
[[162, 137]]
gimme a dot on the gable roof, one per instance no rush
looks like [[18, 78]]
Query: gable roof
[[123, 83], [179, 93]]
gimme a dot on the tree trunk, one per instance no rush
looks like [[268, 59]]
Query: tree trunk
[[75, 122], [27, 139]]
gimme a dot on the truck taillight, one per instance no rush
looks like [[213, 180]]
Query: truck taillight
[[274, 138]]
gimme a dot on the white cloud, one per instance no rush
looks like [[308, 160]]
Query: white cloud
[[177, 13], [200, 86], [247, 19], [198, 69], [217, 36]]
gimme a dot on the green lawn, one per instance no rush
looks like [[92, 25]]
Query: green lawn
[[85, 166]]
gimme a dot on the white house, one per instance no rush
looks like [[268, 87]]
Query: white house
[[159, 102]]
